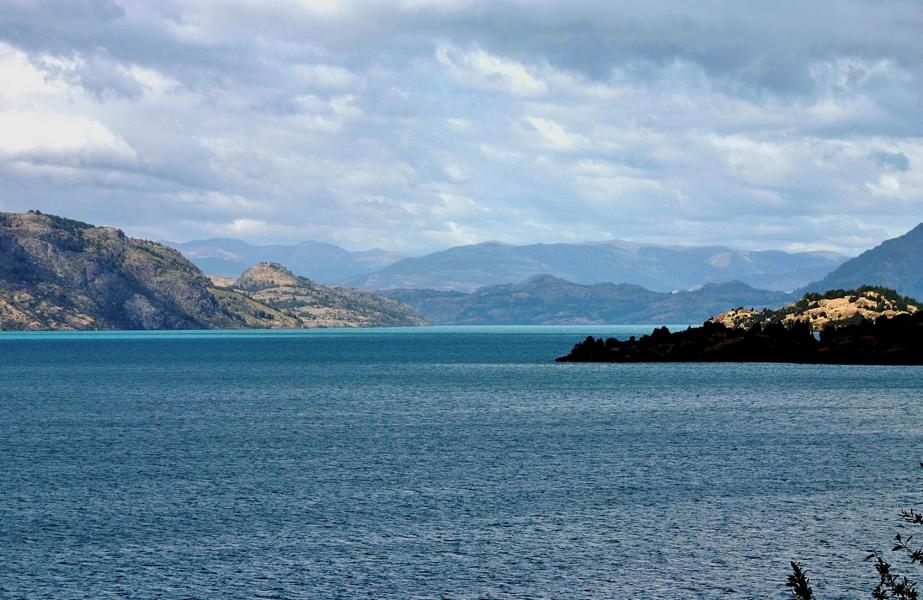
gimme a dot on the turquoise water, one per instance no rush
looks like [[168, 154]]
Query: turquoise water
[[457, 462]]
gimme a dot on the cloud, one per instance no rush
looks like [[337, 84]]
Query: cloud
[[484, 71], [327, 76], [421, 123], [552, 134], [35, 136]]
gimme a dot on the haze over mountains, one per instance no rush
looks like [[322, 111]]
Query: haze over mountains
[[323, 263], [655, 267], [661, 268]]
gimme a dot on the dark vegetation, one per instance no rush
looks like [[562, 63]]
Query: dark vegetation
[[886, 341], [891, 584]]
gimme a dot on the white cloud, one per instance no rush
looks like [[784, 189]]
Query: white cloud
[[26, 135], [327, 76], [485, 71], [455, 172], [552, 134], [22, 82], [328, 115]]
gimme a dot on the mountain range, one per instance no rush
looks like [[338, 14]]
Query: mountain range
[[323, 263], [661, 268], [59, 273], [548, 300], [655, 267]]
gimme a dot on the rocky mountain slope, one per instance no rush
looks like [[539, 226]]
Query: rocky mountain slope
[[545, 299], [835, 307], [323, 263], [895, 264], [57, 273], [315, 305], [655, 267]]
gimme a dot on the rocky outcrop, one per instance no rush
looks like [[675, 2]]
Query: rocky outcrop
[[835, 307], [316, 305], [56, 273]]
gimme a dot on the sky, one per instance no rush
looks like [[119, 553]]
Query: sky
[[415, 125]]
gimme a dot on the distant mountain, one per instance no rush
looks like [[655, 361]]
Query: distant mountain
[[545, 300], [896, 263], [57, 273], [315, 305], [660, 268], [324, 263]]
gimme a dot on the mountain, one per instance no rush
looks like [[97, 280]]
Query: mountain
[[895, 263], [659, 268], [56, 273], [324, 263], [315, 305], [835, 307], [545, 300]]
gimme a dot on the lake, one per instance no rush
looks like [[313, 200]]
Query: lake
[[438, 462]]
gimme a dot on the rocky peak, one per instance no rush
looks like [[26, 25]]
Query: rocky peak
[[267, 275]]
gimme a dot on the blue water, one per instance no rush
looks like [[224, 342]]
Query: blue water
[[433, 463]]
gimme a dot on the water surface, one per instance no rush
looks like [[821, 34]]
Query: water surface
[[458, 462]]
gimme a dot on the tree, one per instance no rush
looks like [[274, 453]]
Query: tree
[[891, 585]]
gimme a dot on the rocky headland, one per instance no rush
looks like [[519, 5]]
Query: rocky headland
[[895, 337], [57, 273]]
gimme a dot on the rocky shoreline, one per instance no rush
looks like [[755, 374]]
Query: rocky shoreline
[[886, 341]]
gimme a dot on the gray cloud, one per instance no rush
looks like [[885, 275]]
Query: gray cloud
[[418, 125]]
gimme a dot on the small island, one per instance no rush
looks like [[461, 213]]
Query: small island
[[890, 335]]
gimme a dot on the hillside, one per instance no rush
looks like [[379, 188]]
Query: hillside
[[57, 273], [315, 305], [549, 300], [895, 264], [655, 267], [835, 307], [323, 263]]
